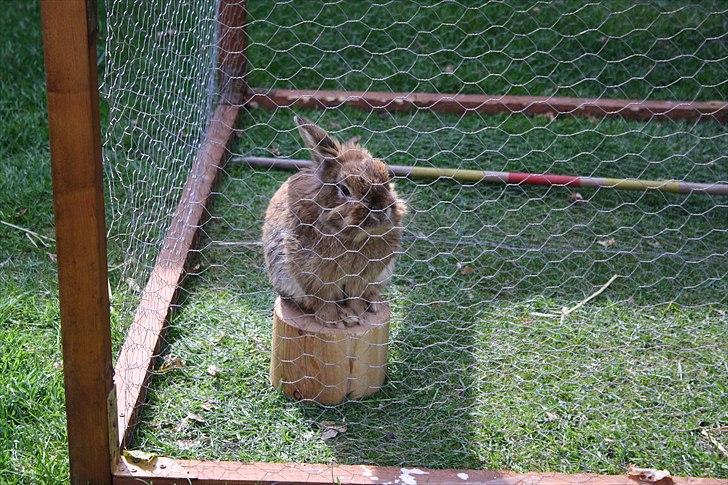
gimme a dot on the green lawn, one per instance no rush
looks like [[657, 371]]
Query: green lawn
[[32, 422], [477, 377], [617, 49]]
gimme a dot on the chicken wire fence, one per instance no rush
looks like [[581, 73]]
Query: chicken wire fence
[[486, 370]]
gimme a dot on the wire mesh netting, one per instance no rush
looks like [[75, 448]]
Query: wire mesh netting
[[485, 369]]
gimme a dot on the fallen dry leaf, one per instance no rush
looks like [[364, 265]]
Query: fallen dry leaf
[[339, 428], [714, 441], [213, 370], [52, 257], [195, 417], [465, 269], [551, 417], [274, 150], [208, 405], [607, 242], [58, 365], [449, 69], [647, 474], [142, 459], [170, 363], [185, 422], [22, 212], [331, 429], [576, 198], [187, 444]]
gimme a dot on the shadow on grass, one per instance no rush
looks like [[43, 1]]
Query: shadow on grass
[[421, 417]]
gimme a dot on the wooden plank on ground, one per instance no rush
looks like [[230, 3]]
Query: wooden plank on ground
[[630, 109], [145, 335], [168, 471], [69, 43]]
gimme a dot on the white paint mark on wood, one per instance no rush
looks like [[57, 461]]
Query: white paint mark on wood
[[407, 475]]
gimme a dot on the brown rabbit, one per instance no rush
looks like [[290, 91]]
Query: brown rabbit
[[332, 232]]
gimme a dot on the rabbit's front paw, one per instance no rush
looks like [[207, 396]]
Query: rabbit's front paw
[[356, 306], [331, 315]]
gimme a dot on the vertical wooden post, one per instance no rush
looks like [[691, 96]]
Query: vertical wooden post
[[231, 44], [69, 40]]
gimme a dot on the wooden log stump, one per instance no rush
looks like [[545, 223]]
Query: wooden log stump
[[328, 365]]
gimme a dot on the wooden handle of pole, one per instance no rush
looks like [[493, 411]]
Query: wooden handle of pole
[[328, 365]]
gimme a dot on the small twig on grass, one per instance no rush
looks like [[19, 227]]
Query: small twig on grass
[[30, 233], [565, 312], [544, 315], [32, 241], [714, 442]]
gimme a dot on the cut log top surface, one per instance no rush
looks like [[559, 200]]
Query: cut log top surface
[[290, 313]]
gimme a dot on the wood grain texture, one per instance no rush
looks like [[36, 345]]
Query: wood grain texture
[[327, 365], [231, 44], [145, 334], [168, 471], [69, 43], [491, 104]]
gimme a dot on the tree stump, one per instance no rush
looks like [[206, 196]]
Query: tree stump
[[328, 365]]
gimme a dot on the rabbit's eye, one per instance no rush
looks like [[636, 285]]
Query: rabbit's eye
[[345, 190]]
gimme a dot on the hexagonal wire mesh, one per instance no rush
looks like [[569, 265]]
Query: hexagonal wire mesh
[[485, 368]]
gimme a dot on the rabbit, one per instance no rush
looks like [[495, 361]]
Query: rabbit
[[332, 232]]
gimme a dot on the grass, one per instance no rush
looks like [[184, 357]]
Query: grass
[[32, 420], [475, 378], [617, 49]]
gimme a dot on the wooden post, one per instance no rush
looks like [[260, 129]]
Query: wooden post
[[328, 365], [69, 39], [231, 45]]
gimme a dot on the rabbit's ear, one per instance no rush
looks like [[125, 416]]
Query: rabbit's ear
[[323, 147]]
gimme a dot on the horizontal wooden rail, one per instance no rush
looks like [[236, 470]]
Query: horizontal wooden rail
[[145, 334], [513, 178], [629, 109], [167, 471]]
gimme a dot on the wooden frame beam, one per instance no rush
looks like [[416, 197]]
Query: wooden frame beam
[[144, 338], [167, 471], [231, 43], [69, 43], [491, 104]]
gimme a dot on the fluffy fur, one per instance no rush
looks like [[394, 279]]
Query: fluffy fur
[[332, 233]]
